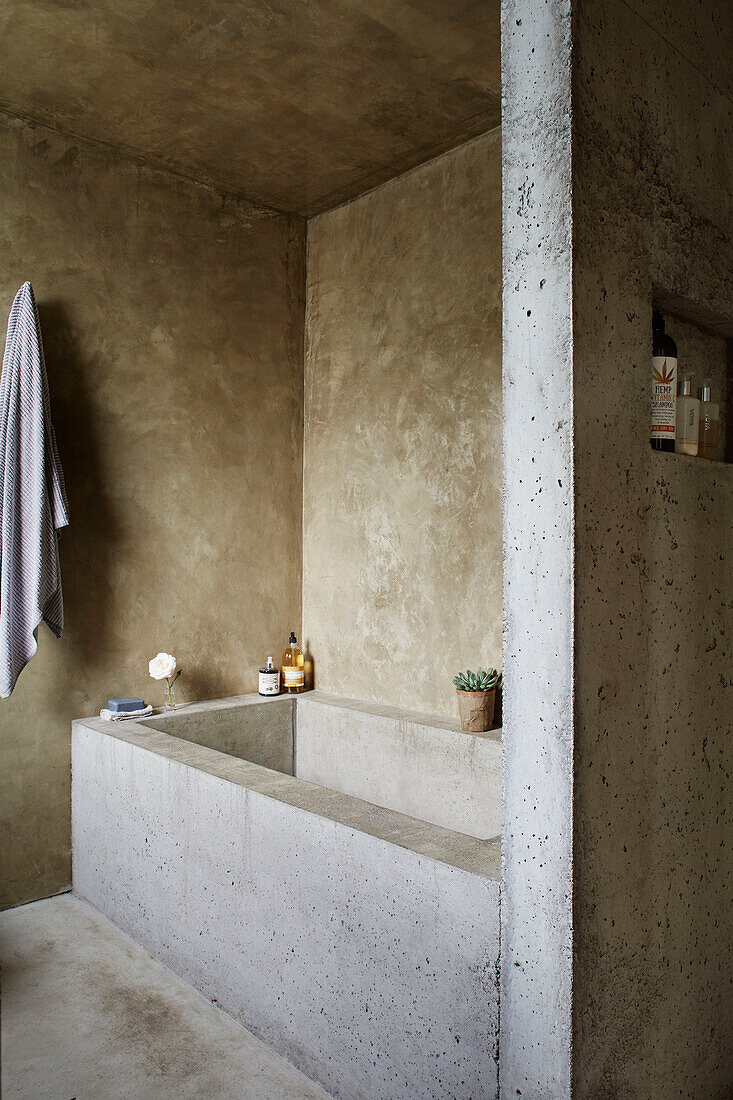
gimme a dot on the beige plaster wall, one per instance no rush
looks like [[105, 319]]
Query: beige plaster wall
[[402, 486], [172, 319]]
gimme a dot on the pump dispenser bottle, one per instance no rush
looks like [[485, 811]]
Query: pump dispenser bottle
[[293, 666]]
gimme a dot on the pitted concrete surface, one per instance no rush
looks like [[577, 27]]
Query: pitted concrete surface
[[209, 731], [653, 208], [616, 902], [248, 727], [386, 756], [86, 1013], [360, 949], [536, 905]]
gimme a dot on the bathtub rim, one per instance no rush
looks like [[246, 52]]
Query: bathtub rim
[[433, 842]]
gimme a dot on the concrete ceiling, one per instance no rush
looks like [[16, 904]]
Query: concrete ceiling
[[295, 104]]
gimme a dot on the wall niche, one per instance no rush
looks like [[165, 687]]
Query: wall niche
[[705, 353]]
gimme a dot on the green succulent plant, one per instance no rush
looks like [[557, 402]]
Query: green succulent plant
[[478, 681]]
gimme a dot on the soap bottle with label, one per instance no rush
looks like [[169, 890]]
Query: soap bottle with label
[[688, 420], [293, 666], [664, 386], [269, 679], [709, 423]]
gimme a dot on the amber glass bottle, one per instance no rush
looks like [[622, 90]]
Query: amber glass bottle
[[293, 668]]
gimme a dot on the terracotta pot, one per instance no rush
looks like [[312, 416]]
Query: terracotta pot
[[476, 709]]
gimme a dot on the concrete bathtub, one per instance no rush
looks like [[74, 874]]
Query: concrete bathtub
[[234, 841]]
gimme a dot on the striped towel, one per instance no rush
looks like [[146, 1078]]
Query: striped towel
[[32, 496]]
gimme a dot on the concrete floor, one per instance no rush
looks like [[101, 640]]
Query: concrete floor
[[87, 1014]]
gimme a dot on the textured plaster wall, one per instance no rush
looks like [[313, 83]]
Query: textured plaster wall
[[172, 319], [297, 106], [653, 206], [402, 531]]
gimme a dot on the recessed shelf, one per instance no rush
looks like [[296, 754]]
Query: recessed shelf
[[714, 465], [692, 312], [704, 341]]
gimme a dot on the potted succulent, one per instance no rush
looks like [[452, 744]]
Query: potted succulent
[[476, 698]]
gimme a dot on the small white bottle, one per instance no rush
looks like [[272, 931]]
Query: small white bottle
[[688, 420], [709, 423], [269, 679]]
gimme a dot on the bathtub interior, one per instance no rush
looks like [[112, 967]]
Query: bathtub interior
[[262, 733], [417, 765]]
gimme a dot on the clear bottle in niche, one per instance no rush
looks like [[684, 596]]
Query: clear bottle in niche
[[293, 666], [709, 432], [688, 420]]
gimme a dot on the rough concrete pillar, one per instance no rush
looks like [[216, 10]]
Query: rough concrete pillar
[[536, 914], [618, 593]]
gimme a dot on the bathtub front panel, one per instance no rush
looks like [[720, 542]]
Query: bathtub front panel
[[370, 966]]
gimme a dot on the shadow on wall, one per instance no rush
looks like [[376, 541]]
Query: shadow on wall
[[309, 666], [109, 576], [135, 544], [62, 680], [196, 684], [498, 708], [87, 546], [728, 406]]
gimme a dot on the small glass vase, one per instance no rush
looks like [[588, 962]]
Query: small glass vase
[[170, 695]]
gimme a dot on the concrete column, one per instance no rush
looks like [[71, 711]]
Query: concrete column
[[617, 896], [536, 911]]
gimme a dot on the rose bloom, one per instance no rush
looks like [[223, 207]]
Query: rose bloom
[[163, 666]]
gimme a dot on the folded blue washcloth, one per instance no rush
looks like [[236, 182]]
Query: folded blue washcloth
[[121, 706]]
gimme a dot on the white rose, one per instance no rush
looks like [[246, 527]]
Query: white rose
[[163, 666]]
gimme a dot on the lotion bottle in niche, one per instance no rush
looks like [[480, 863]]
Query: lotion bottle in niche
[[293, 664], [709, 423], [688, 420], [664, 386]]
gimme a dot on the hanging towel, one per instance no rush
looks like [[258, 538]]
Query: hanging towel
[[33, 502]]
